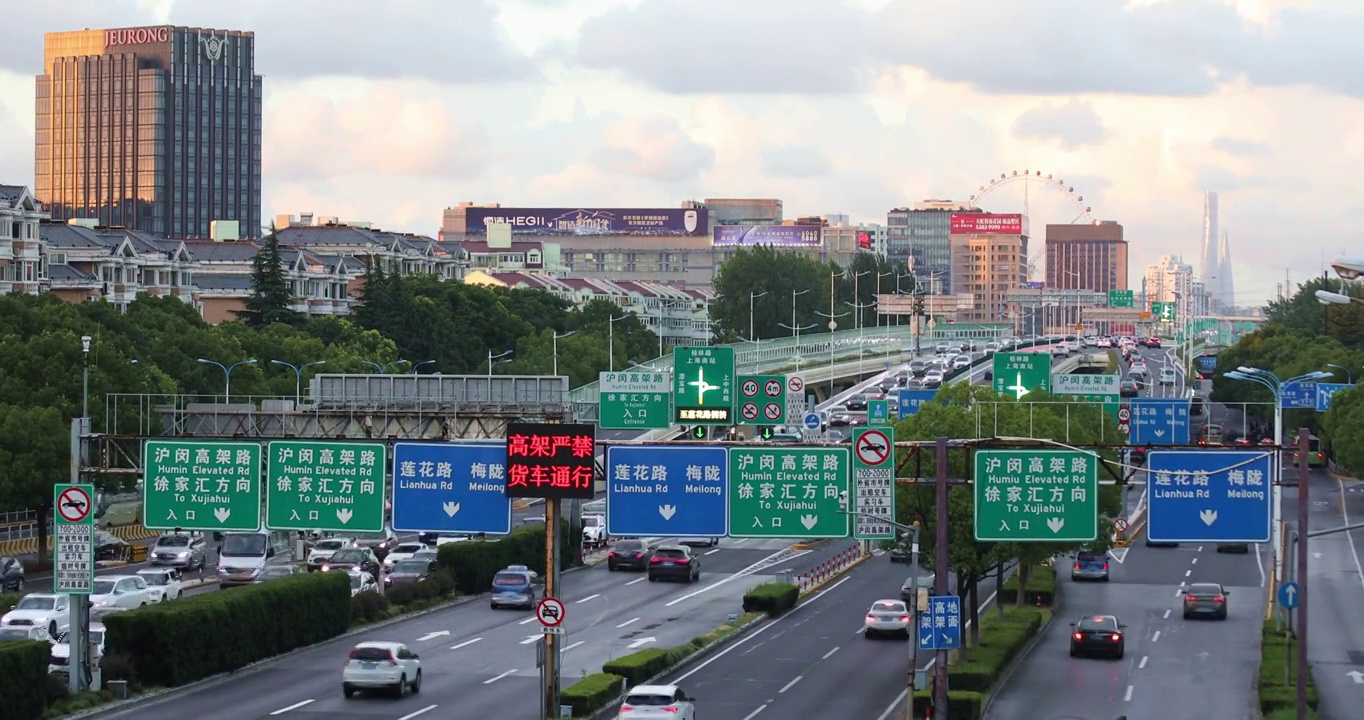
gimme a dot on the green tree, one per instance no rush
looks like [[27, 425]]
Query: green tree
[[35, 453], [758, 288], [867, 275], [1343, 429], [271, 298]]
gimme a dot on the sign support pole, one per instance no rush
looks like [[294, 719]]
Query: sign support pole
[[1303, 484], [550, 672], [941, 569]]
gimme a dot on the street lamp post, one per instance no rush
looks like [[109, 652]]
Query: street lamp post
[[879, 276], [796, 330], [857, 297], [611, 341], [857, 309], [422, 364], [794, 295], [833, 325], [557, 338], [1349, 374], [753, 295], [85, 375], [227, 374], [298, 374], [383, 368], [492, 357]]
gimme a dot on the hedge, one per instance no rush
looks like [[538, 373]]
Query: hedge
[[591, 693], [407, 597], [23, 678], [960, 704], [170, 644], [473, 564], [773, 598], [1275, 695], [1041, 586], [8, 601], [970, 681]]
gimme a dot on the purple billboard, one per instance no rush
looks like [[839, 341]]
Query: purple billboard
[[589, 221], [781, 235]]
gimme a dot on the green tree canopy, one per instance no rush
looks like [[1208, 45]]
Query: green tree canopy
[[271, 299], [770, 282]]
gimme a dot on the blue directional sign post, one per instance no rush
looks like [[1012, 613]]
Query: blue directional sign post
[[451, 488], [910, 400], [940, 625], [1159, 421], [1209, 496], [1288, 596], [664, 491], [1300, 395], [1324, 393]]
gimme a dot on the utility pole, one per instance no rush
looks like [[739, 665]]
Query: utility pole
[[942, 567], [549, 669], [1304, 444]]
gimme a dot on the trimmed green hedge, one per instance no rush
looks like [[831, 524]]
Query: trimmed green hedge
[[171, 644], [960, 704], [638, 667], [473, 563], [1291, 713], [971, 680], [23, 678], [409, 597], [773, 598], [1041, 586], [1274, 657], [591, 693]]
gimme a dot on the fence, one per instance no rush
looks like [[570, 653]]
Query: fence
[[1001, 419], [829, 569]]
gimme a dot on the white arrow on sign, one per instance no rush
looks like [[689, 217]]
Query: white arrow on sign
[[450, 508], [1159, 433], [642, 642], [1357, 676], [1055, 524], [344, 515], [1208, 517], [433, 635], [809, 521], [1291, 594], [667, 511], [222, 514]]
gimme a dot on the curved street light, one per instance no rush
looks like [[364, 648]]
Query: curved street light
[[227, 374], [298, 374], [382, 369], [422, 364]]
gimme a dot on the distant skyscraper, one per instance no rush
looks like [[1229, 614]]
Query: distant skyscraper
[[1226, 284], [1209, 266]]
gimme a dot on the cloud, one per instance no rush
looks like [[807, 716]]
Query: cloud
[[795, 161], [1224, 180], [1073, 125], [387, 131], [15, 155], [22, 25], [654, 148], [1239, 146], [436, 40]]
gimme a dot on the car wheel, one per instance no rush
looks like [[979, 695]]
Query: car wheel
[[653, 577], [1074, 652], [1187, 616], [492, 606], [347, 691], [1105, 578], [397, 690], [417, 684], [869, 634], [52, 629]]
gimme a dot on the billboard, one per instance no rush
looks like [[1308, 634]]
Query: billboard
[[863, 240], [588, 221], [779, 235], [986, 224]]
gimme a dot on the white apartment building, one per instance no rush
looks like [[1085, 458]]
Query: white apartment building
[[1168, 280], [21, 269]]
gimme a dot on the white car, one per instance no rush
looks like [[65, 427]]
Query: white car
[[21, 632], [43, 610], [400, 552], [594, 530], [1168, 377], [362, 582], [887, 617], [61, 651], [125, 591], [381, 666], [162, 583], [1138, 368], [657, 702], [324, 549]]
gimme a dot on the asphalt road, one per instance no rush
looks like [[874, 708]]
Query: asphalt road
[[481, 663]]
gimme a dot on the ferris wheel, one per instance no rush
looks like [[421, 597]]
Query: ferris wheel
[[1029, 178]]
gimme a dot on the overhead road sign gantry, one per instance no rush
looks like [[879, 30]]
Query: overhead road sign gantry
[[1299, 395], [1120, 298], [1028, 495], [451, 488], [1209, 496], [73, 531], [873, 483], [667, 491], [635, 399], [327, 486], [1159, 421], [206, 485], [788, 492], [704, 385]]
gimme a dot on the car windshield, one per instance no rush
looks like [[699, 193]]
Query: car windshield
[[154, 578], [173, 541], [369, 654], [372, 536], [591, 521], [412, 567], [277, 571], [349, 556], [243, 546], [888, 607], [330, 545], [102, 587], [507, 579], [1204, 589], [1098, 623], [36, 602], [409, 548], [643, 700], [14, 634]]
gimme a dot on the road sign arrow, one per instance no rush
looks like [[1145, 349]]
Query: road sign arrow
[[1055, 524], [926, 640], [450, 508], [1158, 433], [222, 514], [344, 515], [1357, 676], [1208, 517], [433, 635], [809, 521], [642, 642], [1290, 594], [667, 511]]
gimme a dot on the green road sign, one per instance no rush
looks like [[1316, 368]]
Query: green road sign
[[1017, 374], [762, 400], [634, 399], [73, 538], [1084, 384], [703, 385], [790, 492], [1164, 311], [201, 485], [873, 483], [1120, 298], [878, 412], [1036, 496], [327, 486]]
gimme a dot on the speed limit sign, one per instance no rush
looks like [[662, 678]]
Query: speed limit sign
[[1124, 414]]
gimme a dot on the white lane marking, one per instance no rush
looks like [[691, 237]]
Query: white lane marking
[[466, 643], [1155, 636], [1200, 548], [829, 654], [492, 680], [426, 709], [1349, 536], [750, 570], [528, 620], [1167, 614], [791, 684], [531, 639], [754, 714], [1260, 563], [295, 706], [576, 644], [637, 580], [1127, 696], [1187, 573], [631, 621], [711, 552], [1142, 664], [738, 644], [593, 596], [1194, 561]]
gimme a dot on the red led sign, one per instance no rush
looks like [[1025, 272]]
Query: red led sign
[[556, 462]]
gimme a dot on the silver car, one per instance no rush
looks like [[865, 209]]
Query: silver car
[[180, 550], [887, 617]]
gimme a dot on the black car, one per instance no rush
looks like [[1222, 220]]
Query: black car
[[1097, 635], [381, 542], [408, 571], [628, 555], [11, 575], [346, 558], [674, 562], [109, 546]]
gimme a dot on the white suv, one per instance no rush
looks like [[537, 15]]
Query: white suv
[[381, 666], [1168, 376], [40, 610], [594, 530], [657, 702]]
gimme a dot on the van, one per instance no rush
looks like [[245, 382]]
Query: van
[[242, 556]]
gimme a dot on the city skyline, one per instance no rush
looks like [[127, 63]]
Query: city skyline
[[552, 104]]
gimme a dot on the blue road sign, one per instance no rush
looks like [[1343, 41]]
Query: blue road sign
[[663, 491], [1208, 495], [910, 400], [812, 421], [1159, 421], [1324, 393], [1300, 395], [1288, 595], [451, 488], [940, 625]]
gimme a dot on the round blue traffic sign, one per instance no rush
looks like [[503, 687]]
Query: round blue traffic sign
[[1288, 595], [811, 421]]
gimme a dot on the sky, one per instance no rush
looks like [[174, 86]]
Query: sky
[[388, 111]]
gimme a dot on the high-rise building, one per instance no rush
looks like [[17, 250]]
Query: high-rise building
[[1226, 279], [1168, 280], [1209, 268], [989, 262], [153, 128], [919, 237], [1086, 257]]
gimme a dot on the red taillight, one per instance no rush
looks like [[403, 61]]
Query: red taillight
[[870, 616], [626, 708], [611, 554], [1219, 598], [392, 660], [639, 555], [1115, 637], [904, 618], [1077, 566], [684, 561], [656, 560], [1078, 636], [669, 708], [1105, 566]]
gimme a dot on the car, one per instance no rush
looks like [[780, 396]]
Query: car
[[674, 562], [1211, 435], [1089, 566], [532, 520], [11, 575], [361, 582], [594, 531], [162, 583], [700, 542], [1129, 389], [385, 666], [1205, 600], [856, 404], [408, 571], [515, 586], [275, 572], [60, 653], [628, 555], [400, 552], [378, 542], [926, 581], [109, 546], [323, 550], [1152, 342], [187, 550], [125, 591], [359, 558], [1196, 405], [657, 702], [887, 617], [1237, 548], [1168, 376], [43, 610], [1097, 635]]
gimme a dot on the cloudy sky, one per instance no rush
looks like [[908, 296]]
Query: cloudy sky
[[390, 110]]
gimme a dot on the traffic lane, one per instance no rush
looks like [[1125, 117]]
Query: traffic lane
[[1336, 587]]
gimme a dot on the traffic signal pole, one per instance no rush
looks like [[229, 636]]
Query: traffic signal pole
[[940, 577]]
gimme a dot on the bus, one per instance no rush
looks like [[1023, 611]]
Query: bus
[[1315, 457]]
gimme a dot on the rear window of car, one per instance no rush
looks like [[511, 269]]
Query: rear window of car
[[1204, 589], [1098, 623], [888, 607], [673, 553], [630, 546], [509, 579], [369, 654], [648, 700], [348, 556], [330, 545]]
